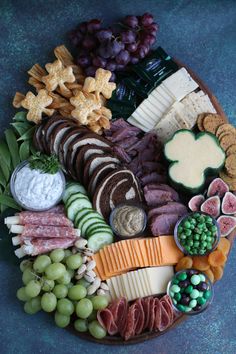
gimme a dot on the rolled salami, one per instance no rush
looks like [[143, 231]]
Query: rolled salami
[[42, 231], [39, 218]]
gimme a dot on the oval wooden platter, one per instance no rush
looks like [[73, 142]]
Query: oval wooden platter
[[115, 340]]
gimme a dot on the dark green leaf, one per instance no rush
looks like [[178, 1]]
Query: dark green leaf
[[32, 149], [3, 208], [13, 146], [44, 163], [21, 127], [3, 181], [5, 153], [5, 170], [27, 135], [24, 150], [20, 117], [9, 202]]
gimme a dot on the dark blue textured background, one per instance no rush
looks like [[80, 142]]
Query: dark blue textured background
[[202, 33]]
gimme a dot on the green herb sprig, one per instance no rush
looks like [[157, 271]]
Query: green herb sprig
[[44, 163]]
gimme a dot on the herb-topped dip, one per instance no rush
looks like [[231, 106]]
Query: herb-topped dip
[[35, 189]]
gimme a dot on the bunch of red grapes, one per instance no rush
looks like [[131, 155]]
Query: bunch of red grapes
[[113, 48]]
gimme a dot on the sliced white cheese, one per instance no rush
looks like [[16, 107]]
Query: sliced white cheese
[[132, 288], [157, 100], [140, 275], [111, 289], [126, 286], [180, 84], [156, 105], [142, 117], [116, 287], [136, 288], [158, 278], [120, 285], [161, 93], [137, 124], [147, 282], [145, 111]]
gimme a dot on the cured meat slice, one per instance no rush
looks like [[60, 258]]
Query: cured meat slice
[[157, 314], [152, 313], [140, 317], [163, 187], [157, 197], [58, 209], [117, 187], [41, 245], [153, 177], [163, 224], [106, 320], [67, 139], [169, 208], [43, 218], [49, 231], [130, 324], [165, 318], [99, 174], [167, 303], [95, 161], [146, 308], [119, 311], [121, 153]]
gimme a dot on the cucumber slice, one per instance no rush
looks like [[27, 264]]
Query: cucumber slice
[[96, 226], [88, 222], [81, 213], [92, 215], [100, 229], [77, 205], [72, 188], [99, 240], [74, 197]]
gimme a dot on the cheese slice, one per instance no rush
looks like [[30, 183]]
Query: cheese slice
[[138, 283], [111, 289], [157, 101], [126, 286], [169, 251], [161, 93], [120, 285], [159, 278], [137, 123], [135, 284], [132, 288], [147, 281], [115, 287], [140, 274], [142, 116]]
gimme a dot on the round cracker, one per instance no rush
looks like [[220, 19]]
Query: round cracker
[[200, 120], [229, 180], [212, 121], [231, 133], [230, 165], [231, 150], [224, 128], [227, 140]]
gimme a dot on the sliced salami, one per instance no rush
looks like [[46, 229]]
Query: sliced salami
[[106, 320], [152, 313], [140, 317], [163, 187], [130, 324], [169, 208], [43, 231], [165, 318], [43, 218]]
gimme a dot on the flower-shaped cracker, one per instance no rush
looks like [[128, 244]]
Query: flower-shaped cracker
[[58, 76], [85, 104], [100, 84], [36, 105]]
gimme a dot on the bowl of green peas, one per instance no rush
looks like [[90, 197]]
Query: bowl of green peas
[[197, 234], [191, 291]]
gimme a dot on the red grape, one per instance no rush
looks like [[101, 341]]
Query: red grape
[[83, 27], [120, 67], [99, 62], [90, 71], [115, 48], [93, 25], [75, 37], [89, 42], [84, 61], [123, 57], [113, 77], [104, 34], [148, 40], [132, 47], [128, 36], [134, 60], [146, 19], [104, 50], [131, 21], [111, 65], [142, 51]]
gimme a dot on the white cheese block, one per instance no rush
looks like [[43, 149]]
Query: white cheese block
[[111, 289], [126, 286], [161, 92], [116, 287], [149, 115], [136, 288], [139, 284], [159, 278], [180, 84], [159, 100], [137, 124], [132, 288], [142, 117], [154, 106], [143, 281]]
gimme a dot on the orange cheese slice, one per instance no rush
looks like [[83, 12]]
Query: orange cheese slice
[[170, 253]]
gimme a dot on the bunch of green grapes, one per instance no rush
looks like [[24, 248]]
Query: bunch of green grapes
[[49, 286]]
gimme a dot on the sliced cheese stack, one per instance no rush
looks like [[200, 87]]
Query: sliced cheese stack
[[152, 109], [120, 257], [140, 283], [183, 115]]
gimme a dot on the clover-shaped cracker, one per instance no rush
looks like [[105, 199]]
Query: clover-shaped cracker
[[84, 103], [36, 105], [58, 76], [192, 157], [100, 84]]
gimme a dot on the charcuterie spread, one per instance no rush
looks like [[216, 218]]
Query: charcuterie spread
[[121, 168]]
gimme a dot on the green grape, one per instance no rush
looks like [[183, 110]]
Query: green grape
[[93, 316], [84, 308], [69, 285], [21, 295], [48, 302], [71, 272], [83, 282], [67, 253], [65, 307], [35, 303], [77, 292], [57, 255], [100, 302], [96, 330], [61, 320], [81, 325], [64, 279], [47, 284], [41, 263], [28, 308], [55, 271], [25, 264], [74, 261], [60, 291], [33, 288], [28, 275]]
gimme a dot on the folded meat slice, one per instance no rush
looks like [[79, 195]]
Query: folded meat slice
[[163, 224], [169, 208], [153, 177], [164, 187], [106, 320], [157, 197]]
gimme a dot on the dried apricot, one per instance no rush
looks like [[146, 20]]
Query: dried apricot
[[218, 272], [201, 262], [217, 258], [210, 274], [184, 263], [224, 245]]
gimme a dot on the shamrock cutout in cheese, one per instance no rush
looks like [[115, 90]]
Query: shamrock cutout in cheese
[[100, 84], [192, 157], [85, 104], [58, 76], [37, 105]]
